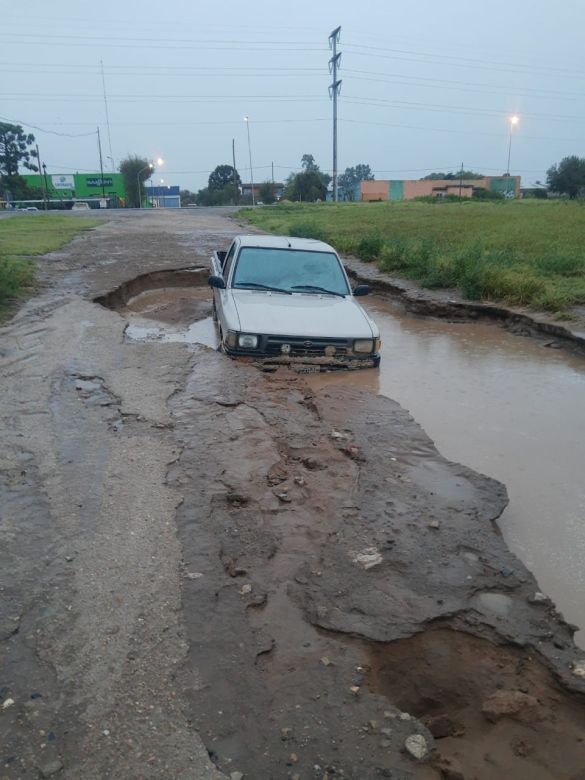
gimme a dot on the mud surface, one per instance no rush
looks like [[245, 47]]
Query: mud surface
[[209, 572]]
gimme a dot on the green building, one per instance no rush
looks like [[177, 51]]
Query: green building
[[80, 186]]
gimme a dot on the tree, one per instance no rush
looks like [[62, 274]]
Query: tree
[[187, 197], [222, 177], [15, 150], [568, 177], [307, 186], [266, 193], [308, 164], [461, 174], [133, 169], [353, 176]]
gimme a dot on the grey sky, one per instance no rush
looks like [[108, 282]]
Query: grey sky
[[426, 85]]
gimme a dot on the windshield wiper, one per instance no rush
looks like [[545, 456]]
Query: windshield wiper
[[258, 286], [317, 289]]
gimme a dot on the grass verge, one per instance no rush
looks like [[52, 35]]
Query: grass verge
[[22, 237], [527, 253]]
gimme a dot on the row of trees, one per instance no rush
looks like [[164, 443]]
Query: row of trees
[[310, 184]]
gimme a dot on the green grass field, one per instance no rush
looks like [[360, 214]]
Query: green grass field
[[521, 252], [24, 236]]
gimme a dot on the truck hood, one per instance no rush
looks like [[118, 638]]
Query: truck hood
[[325, 316]]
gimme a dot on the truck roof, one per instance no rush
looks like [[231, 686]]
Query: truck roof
[[285, 242]]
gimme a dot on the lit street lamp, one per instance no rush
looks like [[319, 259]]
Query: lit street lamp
[[150, 167], [247, 121], [513, 120]]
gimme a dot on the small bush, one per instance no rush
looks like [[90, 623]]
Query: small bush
[[15, 274], [370, 247], [308, 230], [394, 256], [480, 193], [560, 265]]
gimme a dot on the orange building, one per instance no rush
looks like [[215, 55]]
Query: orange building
[[407, 189]]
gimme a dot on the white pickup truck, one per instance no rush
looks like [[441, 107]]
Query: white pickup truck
[[287, 300]]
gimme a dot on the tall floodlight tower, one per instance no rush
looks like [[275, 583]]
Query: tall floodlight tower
[[334, 90]]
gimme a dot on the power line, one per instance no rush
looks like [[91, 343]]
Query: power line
[[52, 132]]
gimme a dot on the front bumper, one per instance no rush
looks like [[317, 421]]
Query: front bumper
[[306, 363]]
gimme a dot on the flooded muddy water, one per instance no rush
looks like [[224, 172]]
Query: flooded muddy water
[[508, 407], [499, 403]]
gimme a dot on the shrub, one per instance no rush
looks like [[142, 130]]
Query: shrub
[[14, 275], [370, 246], [308, 230], [560, 265], [394, 256]]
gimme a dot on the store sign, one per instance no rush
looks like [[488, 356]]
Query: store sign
[[64, 181], [99, 181]]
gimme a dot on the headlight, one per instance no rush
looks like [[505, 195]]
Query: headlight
[[363, 345], [247, 341]]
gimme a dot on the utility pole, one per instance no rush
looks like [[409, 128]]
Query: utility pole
[[460, 181], [334, 90], [101, 164], [43, 186], [107, 115], [236, 193]]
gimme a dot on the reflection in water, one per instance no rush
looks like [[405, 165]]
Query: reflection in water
[[510, 408], [499, 403]]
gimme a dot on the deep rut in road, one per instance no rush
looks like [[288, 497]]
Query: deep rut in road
[[332, 559]]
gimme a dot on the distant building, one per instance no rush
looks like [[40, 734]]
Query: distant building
[[407, 189], [277, 190], [164, 197], [64, 188]]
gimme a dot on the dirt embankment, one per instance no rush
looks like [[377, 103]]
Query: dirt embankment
[[450, 305], [208, 571]]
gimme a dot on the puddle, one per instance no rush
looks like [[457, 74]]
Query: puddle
[[202, 332], [499, 403], [509, 408]]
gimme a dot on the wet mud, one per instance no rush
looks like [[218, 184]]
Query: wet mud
[[321, 531]]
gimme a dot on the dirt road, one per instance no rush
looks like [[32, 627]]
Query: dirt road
[[210, 572]]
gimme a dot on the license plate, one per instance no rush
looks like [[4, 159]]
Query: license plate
[[305, 369]]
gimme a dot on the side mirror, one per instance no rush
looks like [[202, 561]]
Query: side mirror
[[216, 281], [361, 289]]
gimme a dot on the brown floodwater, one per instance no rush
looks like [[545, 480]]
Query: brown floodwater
[[508, 407], [500, 403]]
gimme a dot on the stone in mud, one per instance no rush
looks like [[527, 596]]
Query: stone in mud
[[51, 768], [416, 746], [236, 776], [512, 704], [368, 558], [578, 668]]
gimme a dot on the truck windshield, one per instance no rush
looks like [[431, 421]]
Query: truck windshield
[[290, 270]]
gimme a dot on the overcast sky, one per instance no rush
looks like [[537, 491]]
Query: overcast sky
[[427, 85]]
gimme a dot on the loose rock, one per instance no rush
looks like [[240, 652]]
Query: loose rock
[[51, 768], [368, 558], [512, 704], [416, 746]]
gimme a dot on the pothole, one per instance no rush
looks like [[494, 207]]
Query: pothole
[[166, 306], [495, 711]]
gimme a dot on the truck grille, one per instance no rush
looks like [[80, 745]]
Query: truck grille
[[305, 347]]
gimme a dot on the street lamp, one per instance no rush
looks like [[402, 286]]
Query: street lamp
[[247, 121], [150, 167], [513, 120]]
